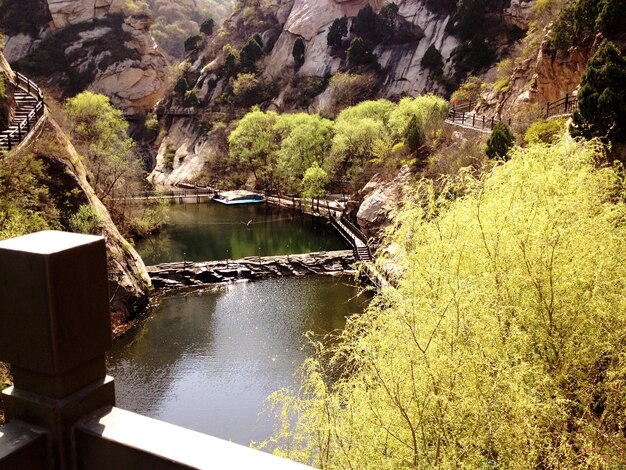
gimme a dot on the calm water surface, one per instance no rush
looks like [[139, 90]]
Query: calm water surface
[[208, 361], [210, 230]]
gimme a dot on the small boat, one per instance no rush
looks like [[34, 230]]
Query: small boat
[[238, 197]]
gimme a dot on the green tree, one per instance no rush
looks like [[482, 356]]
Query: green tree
[[254, 143], [230, 64], [602, 96], [181, 86], [100, 132], [469, 17], [314, 182], [364, 24], [207, 26], [338, 30], [414, 135], [250, 53], [500, 141], [361, 53], [386, 22], [298, 51], [350, 88]]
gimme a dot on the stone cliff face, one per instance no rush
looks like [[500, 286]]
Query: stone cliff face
[[96, 44]]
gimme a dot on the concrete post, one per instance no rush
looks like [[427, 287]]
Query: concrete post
[[54, 331]]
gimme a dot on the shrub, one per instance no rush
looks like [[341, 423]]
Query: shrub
[[500, 141], [181, 86], [349, 89], [191, 99], [86, 220], [168, 156], [545, 131], [250, 53], [468, 91]]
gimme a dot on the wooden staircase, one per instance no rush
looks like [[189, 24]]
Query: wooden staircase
[[29, 108]]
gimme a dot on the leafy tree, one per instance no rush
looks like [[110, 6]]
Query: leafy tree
[[430, 110], [378, 110], [361, 53], [298, 51], [500, 141], [86, 220], [602, 96], [501, 344], [250, 53], [100, 131], [255, 142], [432, 59], [338, 30], [207, 26], [364, 24], [314, 182], [414, 135], [192, 43]]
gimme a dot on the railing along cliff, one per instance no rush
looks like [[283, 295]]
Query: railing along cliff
[[55, 329], [31, 112]]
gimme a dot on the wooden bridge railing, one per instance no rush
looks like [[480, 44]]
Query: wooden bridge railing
[[23, 128], [55, 329]]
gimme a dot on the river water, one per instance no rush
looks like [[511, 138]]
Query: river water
[[210, 231], [208, 360]]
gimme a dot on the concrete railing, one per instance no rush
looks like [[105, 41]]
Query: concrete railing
[[54, 331]]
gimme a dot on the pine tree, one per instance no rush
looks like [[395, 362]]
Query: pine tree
[[207, 26], [432, 59], [414, 134], [298, 51], [338, 30], [364, 25], [500, 141], [602, 97], [250, 53], [360, 53]]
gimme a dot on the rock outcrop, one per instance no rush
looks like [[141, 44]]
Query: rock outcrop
[[106, 48], [380, 197]]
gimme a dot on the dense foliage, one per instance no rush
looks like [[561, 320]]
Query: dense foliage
[[602, 96], [502, 345], [279, 149]]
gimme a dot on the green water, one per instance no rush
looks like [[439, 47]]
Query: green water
[[210, 231], [208, 361]]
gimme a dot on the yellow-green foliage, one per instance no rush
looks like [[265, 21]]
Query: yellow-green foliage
[[430, 110], [546, 131], [503, 344]]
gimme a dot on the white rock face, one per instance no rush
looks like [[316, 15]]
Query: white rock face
[[68, 12], [19, 46], [311, 19]]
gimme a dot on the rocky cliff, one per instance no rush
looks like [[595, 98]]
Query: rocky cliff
[[102, 45], [129, 283], [282, 84]]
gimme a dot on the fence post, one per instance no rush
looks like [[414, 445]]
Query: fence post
[[473, 120], [493, 119], [55, 329], [566, 103]]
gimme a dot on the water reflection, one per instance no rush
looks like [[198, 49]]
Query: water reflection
[[207, 362], [208, 231]]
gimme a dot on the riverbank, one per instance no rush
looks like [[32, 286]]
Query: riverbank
[[169, 276]]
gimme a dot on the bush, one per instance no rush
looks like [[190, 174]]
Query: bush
[[500, 141], [468, 91], [361, 53], [207, 26], [250, 53], [545, 131], [168, 156], [86, 220]]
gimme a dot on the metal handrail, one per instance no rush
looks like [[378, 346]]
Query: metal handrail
[[25, 126]]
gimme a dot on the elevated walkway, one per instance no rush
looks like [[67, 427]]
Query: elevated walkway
[[30, 108]]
